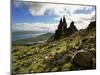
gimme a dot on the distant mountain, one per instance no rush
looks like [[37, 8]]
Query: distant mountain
[[16, 35], [37, 39], [25, 32]]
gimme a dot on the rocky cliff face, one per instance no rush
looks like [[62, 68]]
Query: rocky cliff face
[[62, 29], [92, 25]]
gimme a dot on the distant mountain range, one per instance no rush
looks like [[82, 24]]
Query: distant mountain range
[[25, 32], [16, 35], [38, 39]]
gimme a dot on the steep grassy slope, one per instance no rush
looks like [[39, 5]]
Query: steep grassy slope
[[53, 55]]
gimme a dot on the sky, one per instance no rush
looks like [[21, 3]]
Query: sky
[[35, 16]]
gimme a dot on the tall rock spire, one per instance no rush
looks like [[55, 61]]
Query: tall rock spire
[[61, 21], [60, 24], [71, 29], [64, 22], [62, 27]]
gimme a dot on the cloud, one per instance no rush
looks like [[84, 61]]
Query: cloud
[[81, 15], [91, 16], [84, 10], [58, 9], [34, 27], [38, 9]]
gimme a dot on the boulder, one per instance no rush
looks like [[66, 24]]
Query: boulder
[[48, 59], [58, 59], [83, 58]]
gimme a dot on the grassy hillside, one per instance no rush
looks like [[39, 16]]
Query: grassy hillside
[[53, 55]]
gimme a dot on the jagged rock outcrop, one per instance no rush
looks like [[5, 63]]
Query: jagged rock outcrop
[[64, 24], [71, 29], [92, 25], [62, 29]]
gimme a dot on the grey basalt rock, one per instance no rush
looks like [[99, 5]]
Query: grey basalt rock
[[83, 58]]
